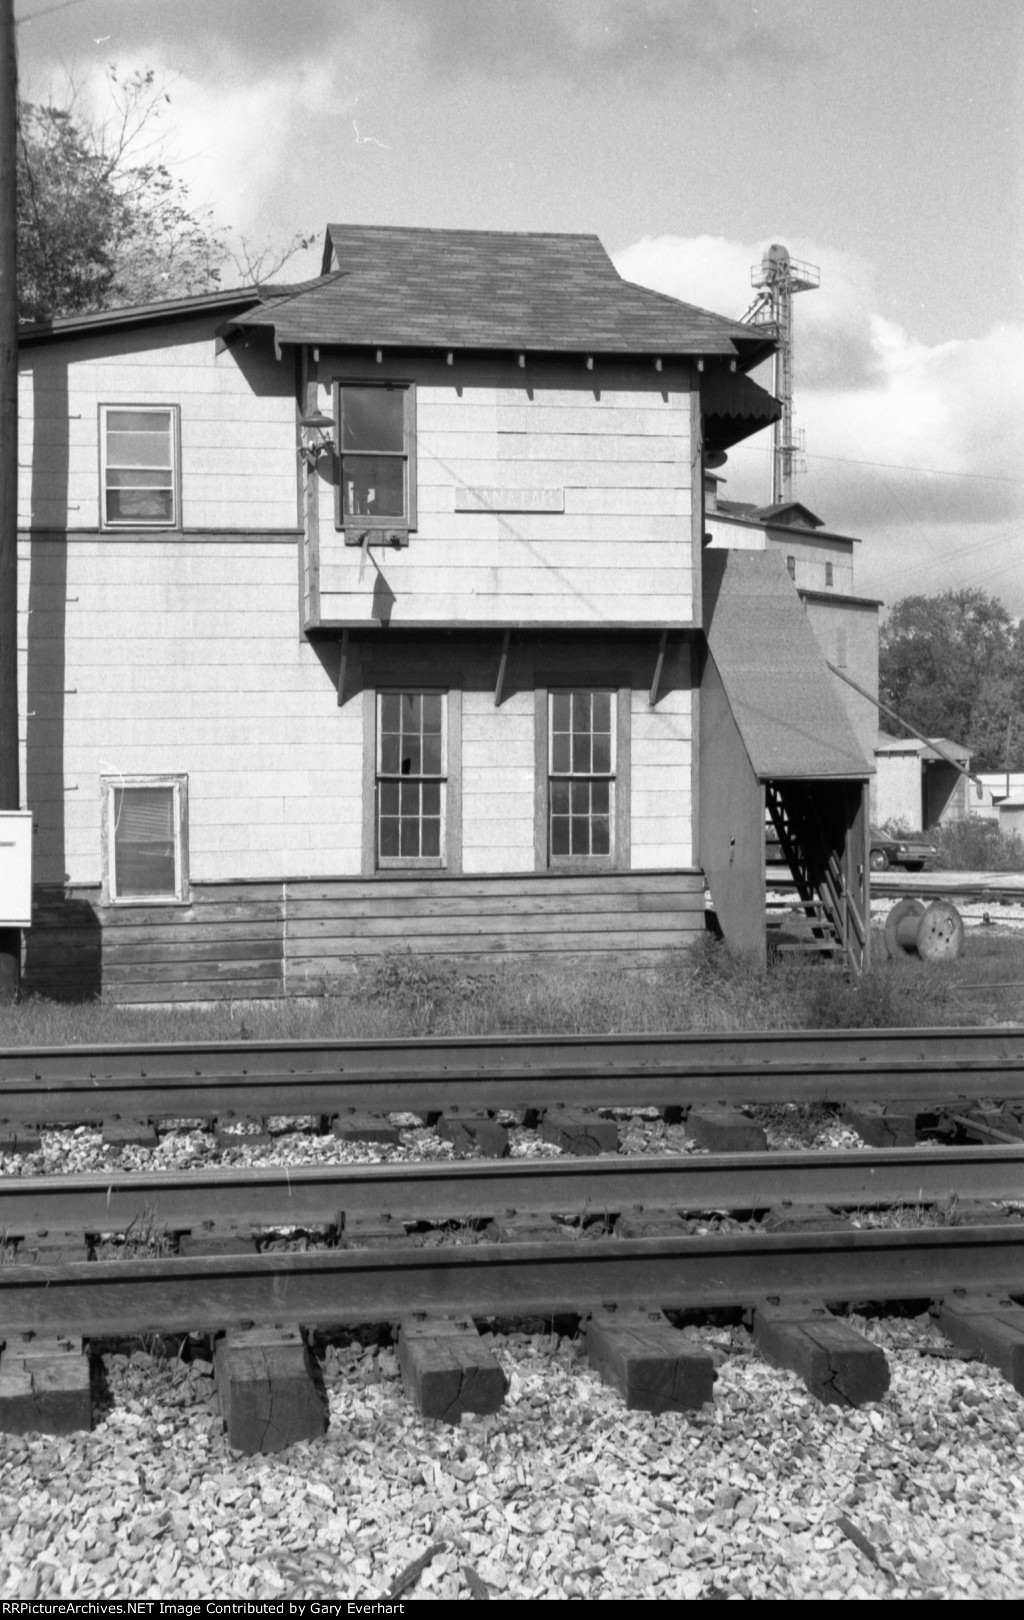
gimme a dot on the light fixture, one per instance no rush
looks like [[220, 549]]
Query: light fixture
[[318, 431]]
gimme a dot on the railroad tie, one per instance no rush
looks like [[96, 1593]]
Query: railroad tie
[[725, 1130], [118, 1132], [883, 1124], [240, 1130], [51, 1248], [270, 1389], [359, 1125], [652, 1364], [447, 1369], [373, 1231], [580, 1131], [989, 1325], [217, 1237], [17, 1137], [467, 1132], [836, 1363], [44, 1386]]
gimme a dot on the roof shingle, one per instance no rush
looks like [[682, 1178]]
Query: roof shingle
[[398, 287]]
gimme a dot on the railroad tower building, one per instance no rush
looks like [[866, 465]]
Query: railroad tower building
[[374, 613]]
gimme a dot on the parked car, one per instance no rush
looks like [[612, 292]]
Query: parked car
[[910, 852]]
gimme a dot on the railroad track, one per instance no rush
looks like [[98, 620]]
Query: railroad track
[[431, 1250], [470, 1076], [260, 1258], [476, 1189]]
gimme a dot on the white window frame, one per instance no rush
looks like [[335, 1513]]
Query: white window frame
[[178, 783], [174, 521], [390, 863], [610, 776]]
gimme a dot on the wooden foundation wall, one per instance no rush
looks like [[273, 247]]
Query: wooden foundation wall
[[240, 941]]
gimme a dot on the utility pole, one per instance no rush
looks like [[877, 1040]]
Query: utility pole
[[10, 785]]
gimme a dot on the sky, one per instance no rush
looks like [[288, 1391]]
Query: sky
[[880, 140]]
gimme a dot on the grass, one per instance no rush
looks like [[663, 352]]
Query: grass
[[704, 990]]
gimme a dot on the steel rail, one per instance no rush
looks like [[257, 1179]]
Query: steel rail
[[88, 1084], [475, 1188], [339, 1286]]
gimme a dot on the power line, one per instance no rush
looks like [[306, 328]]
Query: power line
[[897, 466], [48, 11]]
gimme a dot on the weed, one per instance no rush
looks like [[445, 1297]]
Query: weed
[[141, 1240]]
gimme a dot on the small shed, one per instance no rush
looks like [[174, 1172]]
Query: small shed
[[915, 784], [776, 742], [1011, 816]]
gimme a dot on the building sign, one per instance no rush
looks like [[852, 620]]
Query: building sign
[[490, 499]]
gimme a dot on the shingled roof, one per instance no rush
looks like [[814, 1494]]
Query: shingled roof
[[397, 287]]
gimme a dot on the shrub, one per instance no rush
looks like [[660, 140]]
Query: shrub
[[977, 844]]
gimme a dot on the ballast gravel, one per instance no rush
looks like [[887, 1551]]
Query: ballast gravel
[[764, 1494], [190, 1146]]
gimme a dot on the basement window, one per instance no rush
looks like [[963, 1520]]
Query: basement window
[[411, 778], [145, 845], [376, 459], [139, 467]]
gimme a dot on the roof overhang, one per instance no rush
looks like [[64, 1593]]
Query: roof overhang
[[734, 407], [64, 327]]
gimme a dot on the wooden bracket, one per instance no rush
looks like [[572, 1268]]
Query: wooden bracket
[[342, 667], [502, 666], [659, 665]]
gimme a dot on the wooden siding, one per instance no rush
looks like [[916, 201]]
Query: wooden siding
[[237, 424], [498, 782], [183, 656], [242, 941], [616, 448]]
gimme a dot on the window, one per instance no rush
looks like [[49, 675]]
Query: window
[[145, 843], [828, 574], [581, 775], [377, 459], [139, 466], [411, 778], [791, 567]]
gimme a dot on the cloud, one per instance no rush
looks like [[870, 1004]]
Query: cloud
[[583, 38], [833, 321], [917, 448]]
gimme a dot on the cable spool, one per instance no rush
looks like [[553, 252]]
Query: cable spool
[[935, 933]]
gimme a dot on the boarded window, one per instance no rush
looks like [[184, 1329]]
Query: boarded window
[[144, 840], [411, 778], [138, 454], [581, 779], [376, 484]]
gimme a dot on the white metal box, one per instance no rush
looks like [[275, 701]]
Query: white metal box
[[15, 868]]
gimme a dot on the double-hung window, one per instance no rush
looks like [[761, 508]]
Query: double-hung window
[[145, 821], [377, 456], [581, 776], [139, 467], [411, 778]]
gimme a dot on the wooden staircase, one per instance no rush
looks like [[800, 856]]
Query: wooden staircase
[[814, 843]]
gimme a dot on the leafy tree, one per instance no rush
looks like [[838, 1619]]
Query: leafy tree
[[101, 221], [953, 666]]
